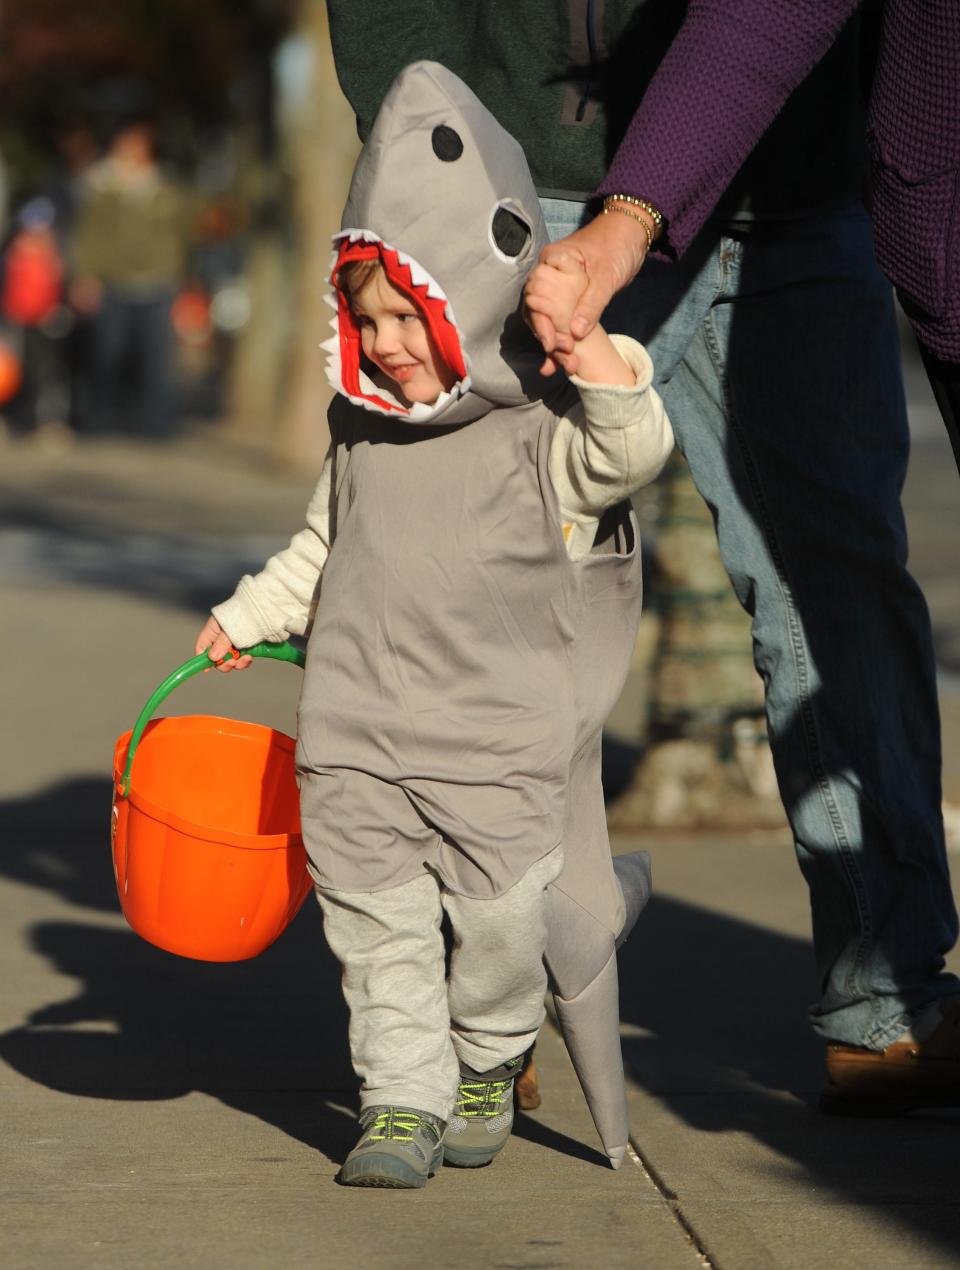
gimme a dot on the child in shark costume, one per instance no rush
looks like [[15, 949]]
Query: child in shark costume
[[470, 576]]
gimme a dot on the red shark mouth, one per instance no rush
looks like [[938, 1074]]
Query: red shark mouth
[[344, 369]]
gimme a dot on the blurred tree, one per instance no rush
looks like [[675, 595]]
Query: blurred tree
[[322, 146], [278, 391]]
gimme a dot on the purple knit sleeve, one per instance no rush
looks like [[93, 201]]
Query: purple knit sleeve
[[915, 125], [726, 75]]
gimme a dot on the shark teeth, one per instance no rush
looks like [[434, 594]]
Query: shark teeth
[[358, 235], [421, 412], [334, 378], [418, 274], [420, 278], [334, 366]]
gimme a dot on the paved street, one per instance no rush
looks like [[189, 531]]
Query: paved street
[[160, 1112]]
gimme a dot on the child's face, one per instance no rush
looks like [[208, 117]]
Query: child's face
[[394, 338]]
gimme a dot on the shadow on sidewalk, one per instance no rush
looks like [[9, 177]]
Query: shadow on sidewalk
[[714, 1026], [266, 1036], [178, 567], [713, 1010]]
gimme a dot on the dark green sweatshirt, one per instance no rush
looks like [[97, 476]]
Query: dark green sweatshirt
[[566, 76]]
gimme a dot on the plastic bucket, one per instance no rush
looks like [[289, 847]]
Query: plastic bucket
[[207, 851]]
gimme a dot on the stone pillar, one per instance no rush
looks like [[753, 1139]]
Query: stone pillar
[[706, 760]]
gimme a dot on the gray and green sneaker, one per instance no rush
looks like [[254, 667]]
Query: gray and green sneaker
[[399, 1147], [483, 1116]]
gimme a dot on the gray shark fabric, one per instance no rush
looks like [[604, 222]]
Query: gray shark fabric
[[461, 664], [581, 957]]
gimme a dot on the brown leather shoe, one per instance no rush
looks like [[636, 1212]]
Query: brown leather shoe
[[526, 1087], [907, 1075]]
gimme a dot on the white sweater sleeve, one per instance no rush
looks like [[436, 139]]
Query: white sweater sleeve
[[615, 440], [281, 599]]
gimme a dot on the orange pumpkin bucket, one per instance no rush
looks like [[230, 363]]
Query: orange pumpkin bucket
[[207, 851]]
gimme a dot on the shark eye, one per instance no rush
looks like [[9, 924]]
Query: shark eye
[[510, 233], [446, 142]]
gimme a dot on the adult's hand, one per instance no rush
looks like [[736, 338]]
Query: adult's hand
[[611, 249]]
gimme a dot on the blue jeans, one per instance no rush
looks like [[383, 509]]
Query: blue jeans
[[778, 361], [133, 370]]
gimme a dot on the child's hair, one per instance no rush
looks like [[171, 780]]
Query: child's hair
[[354, 275]]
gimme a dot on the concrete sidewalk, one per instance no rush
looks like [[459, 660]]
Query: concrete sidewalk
[[160, 1112]]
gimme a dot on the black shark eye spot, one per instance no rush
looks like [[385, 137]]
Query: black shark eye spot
[[446, 142], [510, 233]]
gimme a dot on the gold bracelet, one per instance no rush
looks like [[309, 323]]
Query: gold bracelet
[[653, 212], [641, 221]]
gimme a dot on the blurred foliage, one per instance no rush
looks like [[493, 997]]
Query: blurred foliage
[[186, 50], [193, 65]]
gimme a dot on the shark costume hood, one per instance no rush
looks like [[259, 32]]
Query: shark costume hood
[[443, 195], [478, 713]]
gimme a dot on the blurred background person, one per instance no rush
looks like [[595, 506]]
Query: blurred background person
[[129, 254], [36, 319], [258, 143], [76, 149]]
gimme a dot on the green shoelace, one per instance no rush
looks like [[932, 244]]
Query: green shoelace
[[483, 1097], [398, 1126]]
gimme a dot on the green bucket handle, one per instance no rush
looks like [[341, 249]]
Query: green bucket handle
[[278, 652]]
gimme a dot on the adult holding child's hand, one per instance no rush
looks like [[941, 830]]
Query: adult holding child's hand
[[777, 356], [611, 249]]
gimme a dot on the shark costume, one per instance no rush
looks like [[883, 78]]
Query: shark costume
[[470, 576]]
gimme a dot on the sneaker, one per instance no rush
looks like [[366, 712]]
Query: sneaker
[[920, 1069], [399, 1147], [483, 1116]]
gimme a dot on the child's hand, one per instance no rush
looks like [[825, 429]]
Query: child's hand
[[554, 291], [215, 642]]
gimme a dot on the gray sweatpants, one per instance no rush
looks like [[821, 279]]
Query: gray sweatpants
[[413, 1024]]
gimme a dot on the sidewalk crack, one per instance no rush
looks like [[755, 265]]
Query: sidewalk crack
[[672, 1201]]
